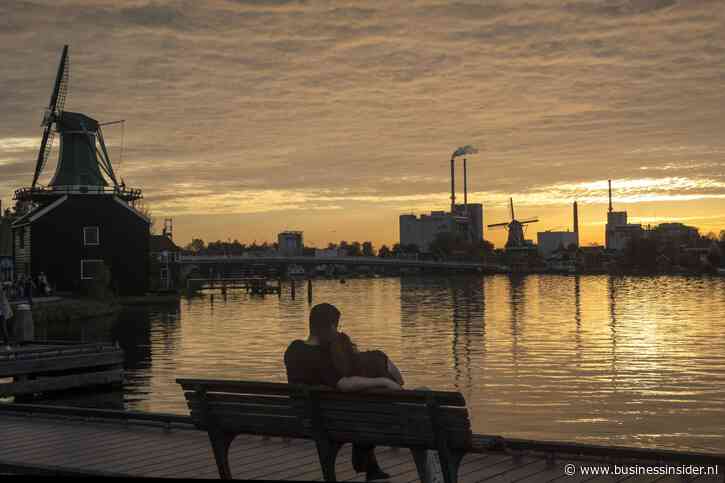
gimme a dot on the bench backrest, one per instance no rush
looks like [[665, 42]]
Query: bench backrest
[[393, 418]]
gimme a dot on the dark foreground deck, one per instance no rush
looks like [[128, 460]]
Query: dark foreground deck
[[168, 446]]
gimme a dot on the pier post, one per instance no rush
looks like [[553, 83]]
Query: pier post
[[309, 290], [292, 281], [279, 288]]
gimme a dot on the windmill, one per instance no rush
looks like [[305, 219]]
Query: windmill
[[515, 228], [83, 157]]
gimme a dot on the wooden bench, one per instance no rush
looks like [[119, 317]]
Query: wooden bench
[[418, 420]]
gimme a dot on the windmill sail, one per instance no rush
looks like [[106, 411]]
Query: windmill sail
[[55, 106]]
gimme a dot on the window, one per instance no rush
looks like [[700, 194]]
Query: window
[[90, 235], [90, 269]]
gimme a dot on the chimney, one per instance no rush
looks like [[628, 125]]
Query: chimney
[[576, 223], [465, 187], [610, 195], [453, 185]]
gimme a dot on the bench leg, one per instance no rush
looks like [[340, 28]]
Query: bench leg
[[450, 461], [220, 443], [327, 452], [420, 458]]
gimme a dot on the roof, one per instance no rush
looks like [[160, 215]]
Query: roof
[[161, 243]]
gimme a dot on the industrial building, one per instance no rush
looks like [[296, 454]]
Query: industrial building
[[290, 244], [464, 220], [618, 232], [550, 241]]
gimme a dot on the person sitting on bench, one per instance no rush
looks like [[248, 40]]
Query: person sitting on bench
[[309, 362]]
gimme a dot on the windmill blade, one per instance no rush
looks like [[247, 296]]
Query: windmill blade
[[60, 87], [498, 225], [529, 220], [45, 146]]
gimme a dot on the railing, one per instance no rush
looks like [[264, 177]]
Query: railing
[[331, 260], [24, 194]]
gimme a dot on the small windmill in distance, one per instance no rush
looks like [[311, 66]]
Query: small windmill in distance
[[515, 228]]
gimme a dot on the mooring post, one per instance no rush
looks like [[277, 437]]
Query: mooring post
[[279, 288], [309, 290], [293, 288]]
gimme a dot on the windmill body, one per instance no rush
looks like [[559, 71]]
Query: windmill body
[[516, 239], [82, 228]]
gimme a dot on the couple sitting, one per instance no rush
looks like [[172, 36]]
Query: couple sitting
[[329, 358]]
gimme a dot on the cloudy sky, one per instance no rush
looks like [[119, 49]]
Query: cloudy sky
[[248, 117]]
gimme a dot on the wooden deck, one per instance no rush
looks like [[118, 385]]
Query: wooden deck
[[68, 445]]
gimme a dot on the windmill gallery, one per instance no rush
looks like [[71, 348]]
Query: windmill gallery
[[82, 222]]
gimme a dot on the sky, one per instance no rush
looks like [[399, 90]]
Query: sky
[[245, 118]]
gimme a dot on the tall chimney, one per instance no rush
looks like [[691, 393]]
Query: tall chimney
[[610, 195], [465, 187], [453, 185], [576, 223]]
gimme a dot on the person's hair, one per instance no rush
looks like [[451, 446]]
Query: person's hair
[[343, 353], [323, 322]]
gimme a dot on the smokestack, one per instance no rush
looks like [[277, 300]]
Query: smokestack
[[453, 185], [610, 195], [576, 223], [465, 186]]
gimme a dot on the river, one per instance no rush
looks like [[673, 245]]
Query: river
[[634, 361]]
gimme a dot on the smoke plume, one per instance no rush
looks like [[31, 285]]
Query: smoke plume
[[467, 149]]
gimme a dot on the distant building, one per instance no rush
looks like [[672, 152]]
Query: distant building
[[675, 233], [617, 232], [474, 213], [466, 222], [290, 243], [422, 231], [550, 241], [167, 253]]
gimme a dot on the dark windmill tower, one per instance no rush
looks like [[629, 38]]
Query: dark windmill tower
[[83, 225], [515, 228]]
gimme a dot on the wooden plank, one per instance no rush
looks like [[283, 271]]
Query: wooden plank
[[54, 364], [57, 383]]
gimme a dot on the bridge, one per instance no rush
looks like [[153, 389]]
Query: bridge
[[282, 262]]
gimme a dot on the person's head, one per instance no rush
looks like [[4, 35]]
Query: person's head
[[323, 322], [342, 351]]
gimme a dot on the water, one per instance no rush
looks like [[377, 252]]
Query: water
[[634, 361]]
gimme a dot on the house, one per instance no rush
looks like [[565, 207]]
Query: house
[[76, 237], [165, 253]]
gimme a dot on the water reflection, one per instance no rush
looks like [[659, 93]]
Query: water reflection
[[597, 359]]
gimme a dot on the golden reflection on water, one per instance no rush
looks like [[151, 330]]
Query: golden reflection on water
[[599, 359]]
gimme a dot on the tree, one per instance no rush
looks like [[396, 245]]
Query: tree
[[196, 245], [367, 249], [384, 252], [354, 250]]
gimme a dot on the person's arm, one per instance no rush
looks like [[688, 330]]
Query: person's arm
[[357, 383], [395, 372]]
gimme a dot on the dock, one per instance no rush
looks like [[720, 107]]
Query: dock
[[38, 367], [252, 284], [48, 440]]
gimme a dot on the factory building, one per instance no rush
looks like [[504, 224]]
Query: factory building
[[618, 232], [550, 241], [423, 230], [290, 244], [464, 220]]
